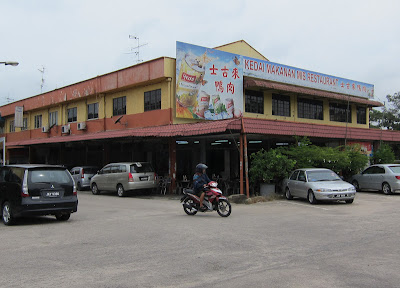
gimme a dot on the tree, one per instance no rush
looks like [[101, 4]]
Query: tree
[[388, 118], [269, 166], [383, 155]]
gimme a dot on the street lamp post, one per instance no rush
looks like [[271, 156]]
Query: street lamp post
[[3, 139], [12, 63]]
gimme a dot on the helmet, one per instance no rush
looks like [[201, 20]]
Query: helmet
[[200, 167]]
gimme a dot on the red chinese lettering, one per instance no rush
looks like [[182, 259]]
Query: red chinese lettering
[[213, 69], [235, 73], [230, 88], [342, 85], [353, 86], [219, 87], [359, 87], [348, 85], [225, 72]]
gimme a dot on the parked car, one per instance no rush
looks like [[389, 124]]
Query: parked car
[[82, 176], [380, 177], [123, 177], [318, 184], [28, 189]]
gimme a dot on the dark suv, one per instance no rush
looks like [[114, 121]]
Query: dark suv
[[30, 189]]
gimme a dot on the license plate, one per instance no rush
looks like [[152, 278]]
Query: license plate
[[52, 194], [144, 178]]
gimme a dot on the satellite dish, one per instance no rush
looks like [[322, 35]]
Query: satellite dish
[[118, 120]]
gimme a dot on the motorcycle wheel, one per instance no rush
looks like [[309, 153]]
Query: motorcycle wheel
[[224, 208], [192, 211]]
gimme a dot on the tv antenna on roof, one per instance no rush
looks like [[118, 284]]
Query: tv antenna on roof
[[42, 83], [137, 52]]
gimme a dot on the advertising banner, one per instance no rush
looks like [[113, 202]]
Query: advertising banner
[[18, 117], [290, 75], [209, 83]]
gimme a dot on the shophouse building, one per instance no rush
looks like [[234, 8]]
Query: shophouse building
[[141, 113]]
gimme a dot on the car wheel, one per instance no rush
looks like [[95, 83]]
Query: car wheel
[[386, 189], [311, 197], [95, 189], [356, 185], [63, 217], [8, 218], [288, 196], [350, 201], [120, 190]]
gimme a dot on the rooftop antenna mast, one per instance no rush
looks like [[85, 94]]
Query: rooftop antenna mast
[[137, 52], [42, 83]]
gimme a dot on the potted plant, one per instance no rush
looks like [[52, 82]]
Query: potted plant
[[269, 168]]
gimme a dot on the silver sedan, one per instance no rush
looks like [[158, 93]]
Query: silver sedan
[[318, 184], [380, 177]]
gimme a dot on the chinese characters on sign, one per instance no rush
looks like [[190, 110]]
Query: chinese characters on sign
[[209, 83]]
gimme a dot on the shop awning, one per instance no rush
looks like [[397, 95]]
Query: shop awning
[[272, 127], [174, 130], [308, 91], [252, 126]]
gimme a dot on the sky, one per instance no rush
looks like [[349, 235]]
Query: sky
[[75, 40]]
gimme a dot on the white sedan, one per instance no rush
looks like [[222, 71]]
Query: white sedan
[[318, 184]]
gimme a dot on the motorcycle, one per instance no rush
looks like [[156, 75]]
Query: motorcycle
[[213, 200]]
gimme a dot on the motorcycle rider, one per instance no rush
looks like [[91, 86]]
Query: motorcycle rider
[[200, 181]]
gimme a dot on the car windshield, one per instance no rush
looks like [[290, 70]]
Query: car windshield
[[141, 168], [90, 170], [316, 176], [395, 169], [49, 176]]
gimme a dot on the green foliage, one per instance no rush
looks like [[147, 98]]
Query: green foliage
[[388, 118], [383, 155], [270, 167], [357, 161], [343, 160]]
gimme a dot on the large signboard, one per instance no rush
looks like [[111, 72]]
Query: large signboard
[[209, 83], [290, 75]]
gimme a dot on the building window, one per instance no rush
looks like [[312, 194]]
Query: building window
[[72, 114], [310, 109], [152, 100], [337, 112], [119, 106], [280, 105], [53, 118], [93, 111], [12, 127], [361, 115], [38, 121], [24, 124], [254, 101]]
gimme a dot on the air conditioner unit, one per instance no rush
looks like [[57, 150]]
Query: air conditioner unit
[[45, 129], [65, 129], [82, 126]]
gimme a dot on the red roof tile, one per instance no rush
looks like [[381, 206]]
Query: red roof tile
[[252, 126], [192, 129], [271, 127]]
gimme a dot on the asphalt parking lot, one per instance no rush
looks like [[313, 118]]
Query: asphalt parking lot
[[150, 242]]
